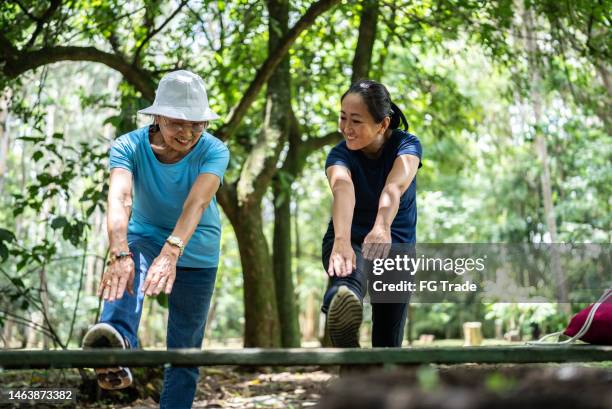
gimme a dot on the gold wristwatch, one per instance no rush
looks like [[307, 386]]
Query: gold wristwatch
[[176, 242]]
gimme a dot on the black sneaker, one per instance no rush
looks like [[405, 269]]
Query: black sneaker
[[104, 335], [344, 319]]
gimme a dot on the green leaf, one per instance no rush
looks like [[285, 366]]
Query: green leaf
[[162, 299], [4, 253], [6, 235], [59, 222]]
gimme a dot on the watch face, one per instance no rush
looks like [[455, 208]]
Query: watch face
[[175, 241]]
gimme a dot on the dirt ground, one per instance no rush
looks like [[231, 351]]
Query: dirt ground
[[429, 387]]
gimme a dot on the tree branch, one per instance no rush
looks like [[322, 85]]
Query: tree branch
[[40, 22], [17, 62], [313, 144], [157, 30], [267, 68], [300, 150], [26, 12]]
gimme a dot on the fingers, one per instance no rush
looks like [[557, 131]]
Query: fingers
[[101, 287], [120, 287], [113, 288], [161, 285], [386, 249], [367, 250], [338, 265], [169, 285], [349, 266], [130, 282], [342, 261], [157, 281], [148, 281], [376, 251], [106, 291]]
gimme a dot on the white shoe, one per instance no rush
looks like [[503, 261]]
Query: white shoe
[[103, 335]]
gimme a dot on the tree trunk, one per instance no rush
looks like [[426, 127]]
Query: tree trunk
[[542, 152], [278, 106], [292, 168], [365, 42], [261, 327], [285, 290], [5, 99]]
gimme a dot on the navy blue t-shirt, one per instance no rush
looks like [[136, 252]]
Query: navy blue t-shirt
[[369, 177]]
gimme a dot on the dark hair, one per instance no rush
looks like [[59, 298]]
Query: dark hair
[[378, 101]]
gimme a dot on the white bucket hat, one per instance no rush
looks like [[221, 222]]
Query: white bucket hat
[[181, 95]]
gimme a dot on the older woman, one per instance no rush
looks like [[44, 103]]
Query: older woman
[[372, 175], [164, 230]]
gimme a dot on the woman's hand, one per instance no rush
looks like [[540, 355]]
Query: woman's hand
[[342, 260], [377, 243], [117, 277], [162, 272]]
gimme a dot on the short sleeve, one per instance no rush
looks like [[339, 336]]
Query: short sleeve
[[122, 154], [410, 145], [338, 156], [216, 160]]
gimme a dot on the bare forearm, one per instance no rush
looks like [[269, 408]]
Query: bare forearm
[[117, 220], [343, 208], [189, 219], [388, 204]]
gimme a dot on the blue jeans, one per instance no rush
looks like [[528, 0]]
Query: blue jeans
[[388, 320], [188, 305]]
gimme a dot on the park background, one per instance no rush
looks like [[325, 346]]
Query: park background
[[510, 99]]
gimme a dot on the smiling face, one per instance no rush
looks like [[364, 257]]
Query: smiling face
[[180, 135], [358, 127]]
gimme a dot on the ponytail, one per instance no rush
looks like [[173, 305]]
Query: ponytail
[[397, 117]]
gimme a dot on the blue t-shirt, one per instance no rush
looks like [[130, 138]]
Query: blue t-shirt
[[369, 177], [160, 190]]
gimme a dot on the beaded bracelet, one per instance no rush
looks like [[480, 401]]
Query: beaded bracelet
[[117, 256]]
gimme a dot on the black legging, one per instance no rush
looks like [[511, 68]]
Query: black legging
[[388, 320]]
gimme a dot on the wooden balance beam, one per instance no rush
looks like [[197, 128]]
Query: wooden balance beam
[[26, 359]]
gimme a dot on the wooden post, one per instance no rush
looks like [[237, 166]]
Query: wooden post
[[472, 334]]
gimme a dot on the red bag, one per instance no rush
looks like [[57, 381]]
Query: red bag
[[594, 323]]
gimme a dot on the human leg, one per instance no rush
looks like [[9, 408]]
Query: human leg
[[119, 322], [188, 305], [388, 321], [342, 302]]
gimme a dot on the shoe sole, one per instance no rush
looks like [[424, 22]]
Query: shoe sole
[[106, 336], [344, 319]]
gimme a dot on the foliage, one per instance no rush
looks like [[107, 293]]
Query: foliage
[[458, 68]]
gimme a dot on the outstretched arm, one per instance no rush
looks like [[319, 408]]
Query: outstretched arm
[[119, 274], [399, 179], [162, 272], [342, 260]]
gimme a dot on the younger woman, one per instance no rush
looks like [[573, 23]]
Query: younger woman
[[372, 177]]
